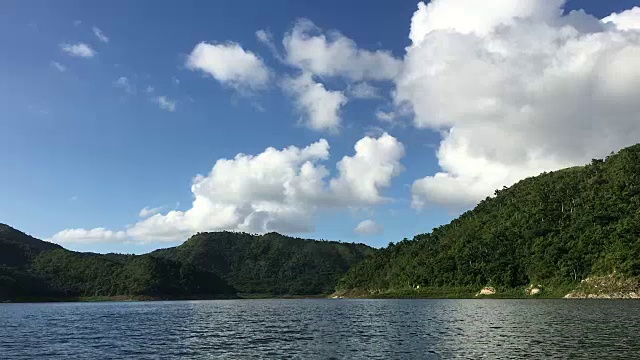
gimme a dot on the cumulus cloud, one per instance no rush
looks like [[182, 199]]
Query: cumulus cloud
[[361, 176], [320, 55], [276, 190], [100, 35], [369, 227], [59, 66], [88, 236], [320, 107], [165, 103], [333, 54], [147, 211], [517, 88], [78, 50], [626, 20], [230, 64]]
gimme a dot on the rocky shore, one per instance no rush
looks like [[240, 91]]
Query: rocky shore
[[606, 287]]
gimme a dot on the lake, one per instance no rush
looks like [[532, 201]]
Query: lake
[[322, 329]]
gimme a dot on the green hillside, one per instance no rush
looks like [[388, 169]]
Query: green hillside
[[19, 248], [31, 269], [554, 230], [208, 265], [272, 263]]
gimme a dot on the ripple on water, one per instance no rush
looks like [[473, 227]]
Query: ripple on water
[[324, 329]]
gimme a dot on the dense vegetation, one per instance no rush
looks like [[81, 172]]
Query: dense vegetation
[[207, 265], [554, 229], [17, 250], [79, 274], [272, 263], [35, 269]]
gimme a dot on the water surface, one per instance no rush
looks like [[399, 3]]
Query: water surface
[[323, 329]]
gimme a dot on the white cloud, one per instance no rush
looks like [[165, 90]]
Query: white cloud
[[320, 107], [149, 89], [626, 20], [374, 164], [230, 64], [147, 211], [79, 50], [321, 55], [517, 88], [124, 84], [276, 190], [100, 35], [333, 54], [85, 236], [77, 22], [363, 90], [369, 227], [165, 103], [59, 66], [470, 16]]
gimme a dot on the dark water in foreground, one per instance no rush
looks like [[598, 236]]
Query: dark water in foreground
[[323, 329]]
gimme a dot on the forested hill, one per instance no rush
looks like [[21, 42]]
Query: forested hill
[[272, 263], [32, 269], [554, 229], [209, 265], [18, 248]]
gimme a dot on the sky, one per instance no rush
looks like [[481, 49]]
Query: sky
[[129, 126]]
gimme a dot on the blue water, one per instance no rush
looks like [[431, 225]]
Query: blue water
[[323, 329]]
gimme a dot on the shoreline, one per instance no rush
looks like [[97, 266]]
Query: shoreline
[[303, 297], [144, 298], [607, 287]]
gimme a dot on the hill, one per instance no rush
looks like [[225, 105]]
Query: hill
[[32, 269], [270, 264], [19, 248], [550, 231], [208, 265]]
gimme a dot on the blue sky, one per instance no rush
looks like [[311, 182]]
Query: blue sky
[[82, 149]]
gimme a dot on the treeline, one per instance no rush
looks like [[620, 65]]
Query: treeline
[[86, 275], [208, 265], [31, 269], [272, 263], [553, 229]]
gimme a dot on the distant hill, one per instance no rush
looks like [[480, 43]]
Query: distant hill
[[208, 265], [94, 275], [272, 263], [32, 269], [552, 230]]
